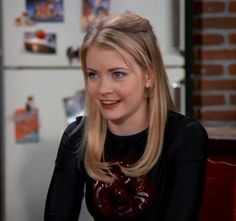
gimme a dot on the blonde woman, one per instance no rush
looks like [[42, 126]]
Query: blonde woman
[[132, 156]]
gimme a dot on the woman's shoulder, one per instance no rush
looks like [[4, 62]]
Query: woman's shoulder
[[74, 125], [179, 123], [186, 137], [70, 151], [73, 133]]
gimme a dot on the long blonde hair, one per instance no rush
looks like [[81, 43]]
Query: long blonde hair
[[134, 34]]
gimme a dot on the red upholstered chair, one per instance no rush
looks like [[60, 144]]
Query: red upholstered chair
[[219, 202]]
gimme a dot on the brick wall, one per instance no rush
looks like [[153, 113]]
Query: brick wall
[[215, 62]]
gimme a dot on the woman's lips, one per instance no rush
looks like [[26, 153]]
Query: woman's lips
[[109, 104]]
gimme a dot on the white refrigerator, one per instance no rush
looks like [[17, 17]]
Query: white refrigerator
[[50, 78]]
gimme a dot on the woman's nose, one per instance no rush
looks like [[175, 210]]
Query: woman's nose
[[105, 86]]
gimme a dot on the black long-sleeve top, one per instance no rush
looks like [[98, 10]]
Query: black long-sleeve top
[[174, 186]]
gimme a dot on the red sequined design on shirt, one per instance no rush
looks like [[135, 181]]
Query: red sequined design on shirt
[[126, 197]]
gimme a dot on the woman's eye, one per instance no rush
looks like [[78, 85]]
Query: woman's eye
[[118, 74], [92, 75]]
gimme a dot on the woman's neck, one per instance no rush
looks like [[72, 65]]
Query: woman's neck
[[127, 128]]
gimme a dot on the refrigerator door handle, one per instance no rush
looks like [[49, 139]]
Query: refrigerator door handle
[[178, 88], [178, 12]]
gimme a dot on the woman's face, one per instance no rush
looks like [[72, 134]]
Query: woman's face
[[118, 90]]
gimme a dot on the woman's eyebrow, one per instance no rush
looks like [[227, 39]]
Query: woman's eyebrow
[[118, 68], [91, 69], [110, 69]]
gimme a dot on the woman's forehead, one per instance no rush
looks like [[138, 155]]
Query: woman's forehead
[[118, 51]]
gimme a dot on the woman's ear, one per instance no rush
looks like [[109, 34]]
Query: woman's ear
[[149, 79]]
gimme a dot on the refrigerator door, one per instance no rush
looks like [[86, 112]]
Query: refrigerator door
[[28, 166], [65, 33], [166, 16]]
